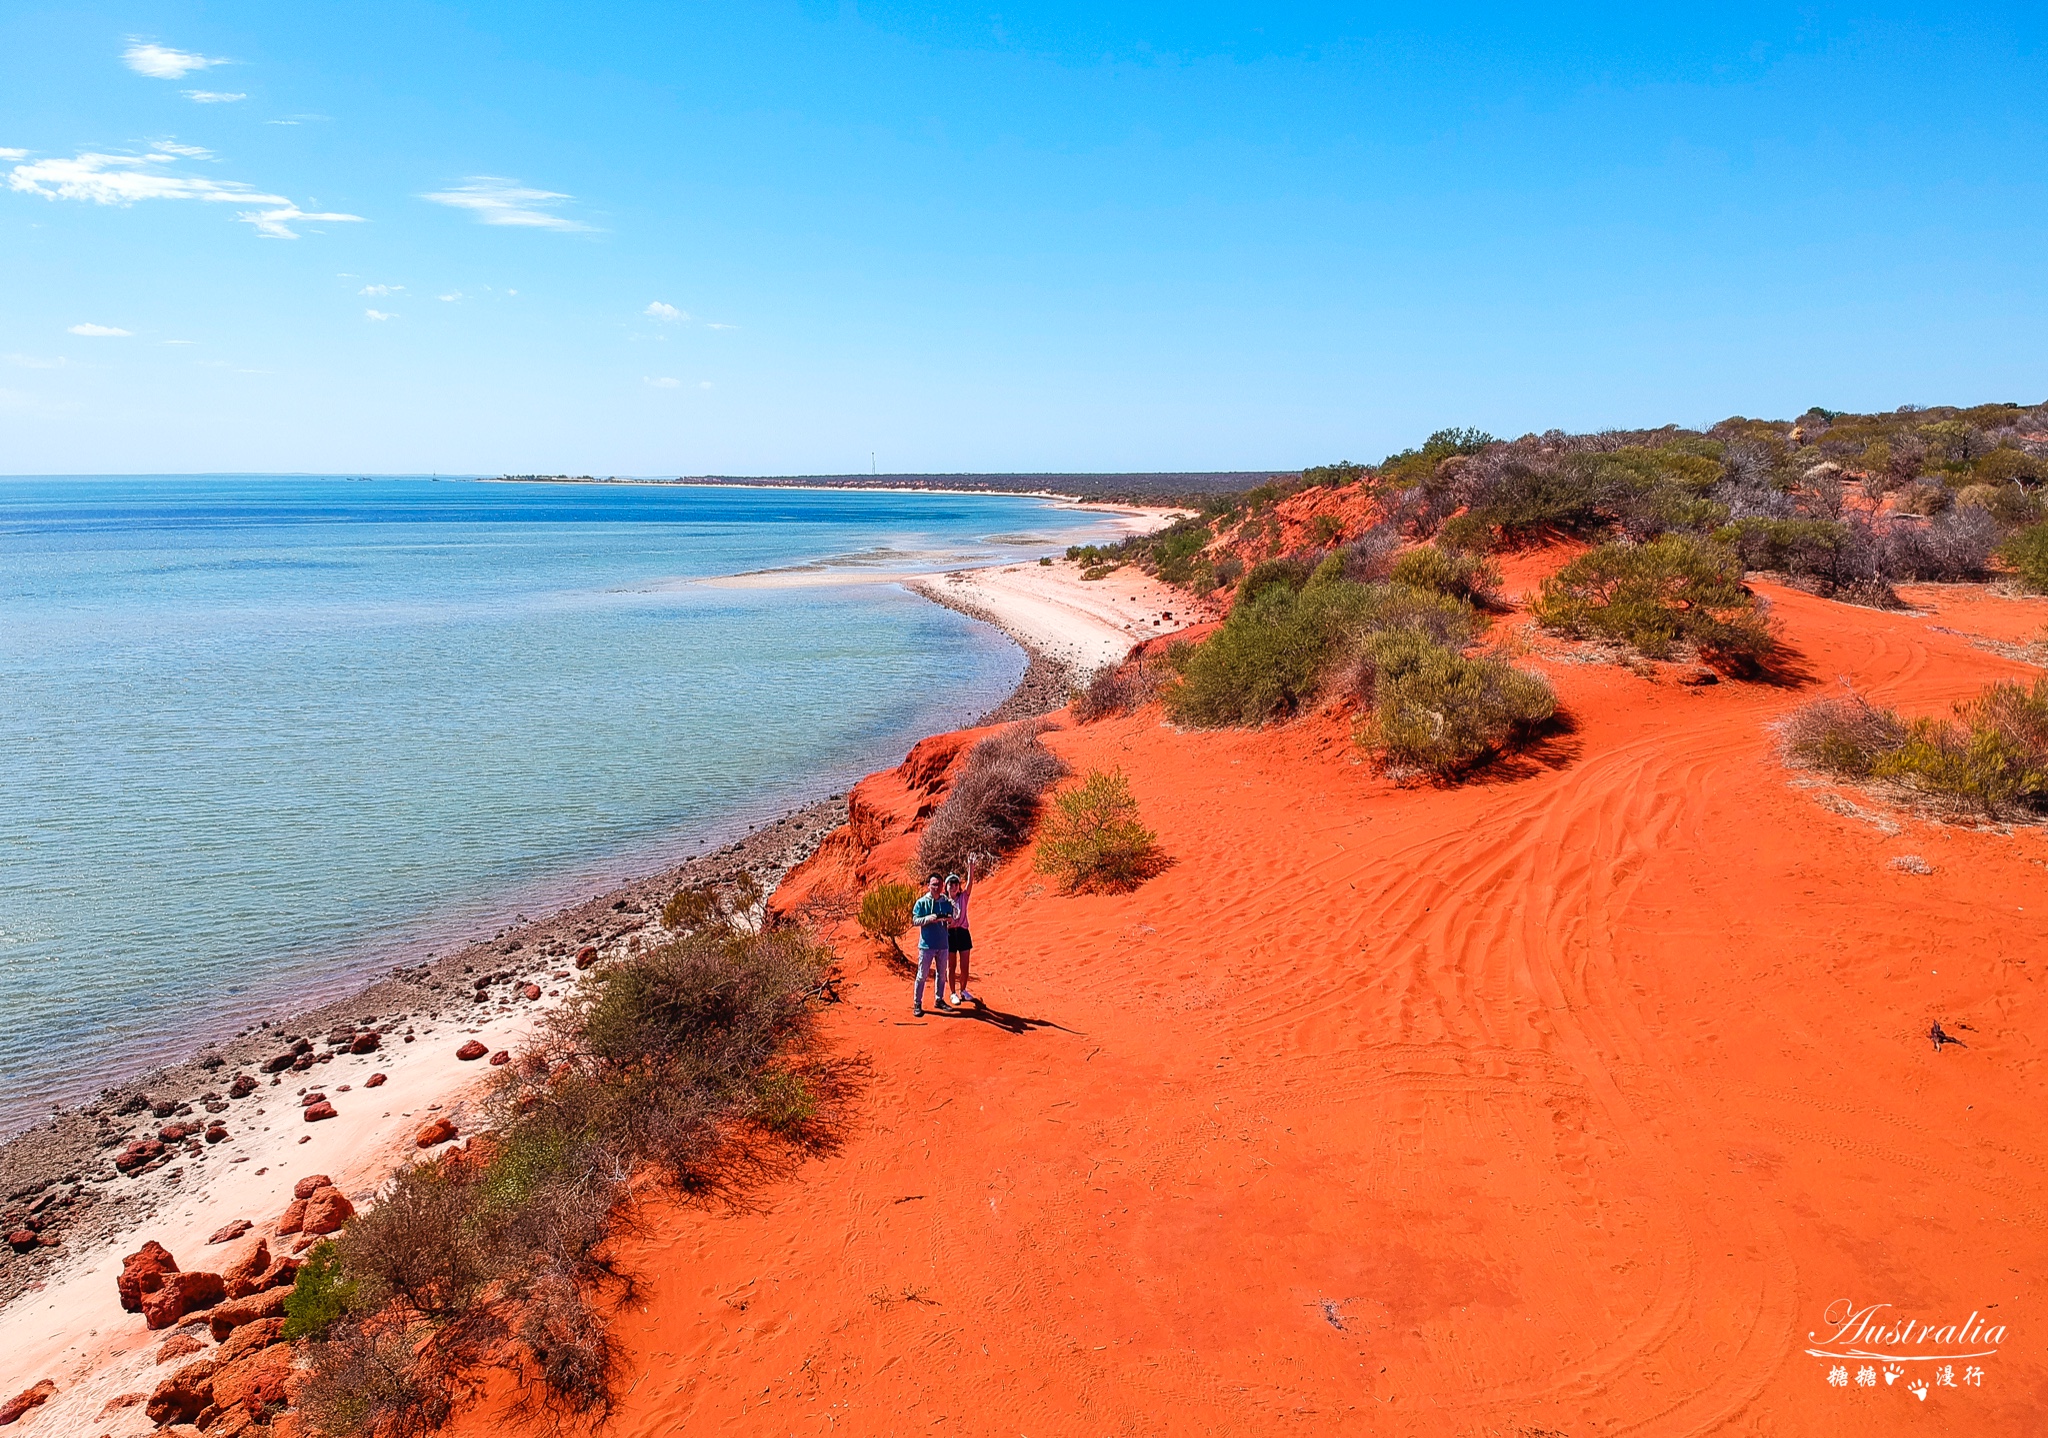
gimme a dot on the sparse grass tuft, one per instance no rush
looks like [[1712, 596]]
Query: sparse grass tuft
[[1119, 689]]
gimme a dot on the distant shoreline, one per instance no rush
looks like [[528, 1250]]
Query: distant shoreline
[[1131, 487]]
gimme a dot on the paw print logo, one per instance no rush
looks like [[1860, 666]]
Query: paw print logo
[[1892, 1374], [1918, 1388]]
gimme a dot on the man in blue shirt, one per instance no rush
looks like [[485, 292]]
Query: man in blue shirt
[[933, 943]]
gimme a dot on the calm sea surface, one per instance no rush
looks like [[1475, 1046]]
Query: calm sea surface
[[261, 737]]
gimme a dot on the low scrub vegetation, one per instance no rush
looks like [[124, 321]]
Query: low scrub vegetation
[[689, 1062], [1433, 710], [1990, 760], [2027, 553], [1653, 597], [1120, 689], [1093, 840], [1451, 572], [1396, 645], [994, 801], [885, 911]]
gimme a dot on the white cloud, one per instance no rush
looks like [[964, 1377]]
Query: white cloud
[[6, 154], [277, 224], [100, 331], [190, 152], [124, 179], [214, 97], [280, 122], [35, 362], [380, 289], [451, 299], [710, 326], [161, 63], [663, 383], [506, 202], [377, 315], [668, 314]]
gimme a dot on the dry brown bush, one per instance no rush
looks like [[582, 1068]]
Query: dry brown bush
[[993, 802]]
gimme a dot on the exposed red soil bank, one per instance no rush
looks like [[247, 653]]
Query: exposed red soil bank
[[1563, 1103]]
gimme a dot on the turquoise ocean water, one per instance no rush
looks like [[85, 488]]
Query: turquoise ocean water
[[262, 737]]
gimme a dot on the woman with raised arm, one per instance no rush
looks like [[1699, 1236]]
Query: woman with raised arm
[[959, 938]]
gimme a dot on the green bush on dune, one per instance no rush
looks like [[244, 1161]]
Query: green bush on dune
[[1437, 711], [1655, 596], [1989, 761]]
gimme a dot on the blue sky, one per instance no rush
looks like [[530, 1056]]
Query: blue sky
[[659, 239]]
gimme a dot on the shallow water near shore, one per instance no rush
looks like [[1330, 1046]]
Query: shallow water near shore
[[266, 736]]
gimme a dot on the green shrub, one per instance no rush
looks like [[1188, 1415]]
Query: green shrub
[[1435, 710], [1119, 689], [1093, 840], [1798, 547], [1990, 760], [1272, 574], [1334, 476], [885, 911], [1326, 531], [320, 1294], [1459, 575], [1271, 654], [2027, 553], [1846, 736], [1655, 596]]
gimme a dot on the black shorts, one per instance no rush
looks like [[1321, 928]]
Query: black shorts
[[959, 941]]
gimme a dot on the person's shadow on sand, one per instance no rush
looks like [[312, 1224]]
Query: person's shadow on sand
[[1008, 1023]]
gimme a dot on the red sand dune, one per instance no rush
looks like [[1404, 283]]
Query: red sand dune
[[1563, 1103]]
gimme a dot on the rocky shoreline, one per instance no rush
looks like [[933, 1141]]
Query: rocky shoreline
[[98, 1169]]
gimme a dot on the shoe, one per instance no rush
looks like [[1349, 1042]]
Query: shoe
[[965, 998], [917, 1011]]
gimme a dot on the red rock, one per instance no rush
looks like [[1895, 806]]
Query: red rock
[[242, 1087], [294, 1217], [374, 1081], [120, 1401], [181, 1293], [229, 1232], [439, 1131], [471, 1050], [327, 1210], [308, 1100], [242, 1271], [248, 1339], [22, 1240], [217, 1134], [311, 1184], [143, 1272], [531, 991], [283, 1271], [184, 1395], [365, 1044], [256, 1382], [502, 1056], [28, 1398], [318, 1111], [586, 956], [227, 1317], [180, 1345], [138, 1152]]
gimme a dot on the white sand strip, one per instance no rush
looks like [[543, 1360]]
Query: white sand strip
[[1086, 623]]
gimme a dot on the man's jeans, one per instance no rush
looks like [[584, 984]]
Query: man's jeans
[[933, 962]]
